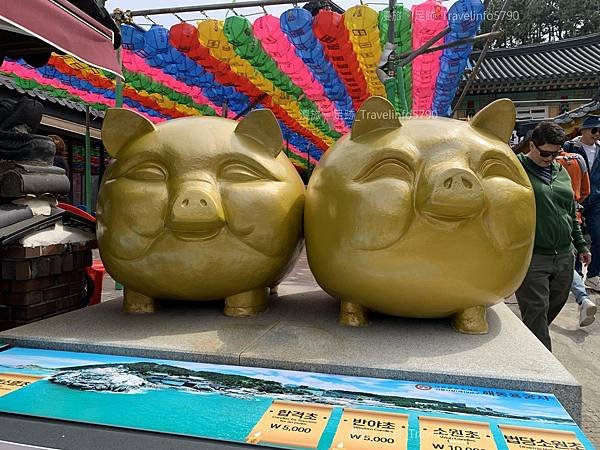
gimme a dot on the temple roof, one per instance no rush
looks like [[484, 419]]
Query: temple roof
[[567, 64]]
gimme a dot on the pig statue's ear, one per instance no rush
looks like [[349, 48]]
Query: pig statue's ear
[[498, 118], [122, 126], [261, 126], [375, 114]]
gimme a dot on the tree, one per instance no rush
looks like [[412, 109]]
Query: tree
[[534, 21]]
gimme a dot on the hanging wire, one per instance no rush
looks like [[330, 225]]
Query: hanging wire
[[146, 17], [180, 19], [264, 10], [204, 14]]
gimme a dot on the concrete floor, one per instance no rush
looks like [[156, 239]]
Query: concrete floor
[[578, 349]]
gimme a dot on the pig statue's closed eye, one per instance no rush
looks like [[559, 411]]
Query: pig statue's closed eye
[[421, 217], [197, 209]]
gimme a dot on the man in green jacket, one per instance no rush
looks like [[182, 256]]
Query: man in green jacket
[[546, 286]]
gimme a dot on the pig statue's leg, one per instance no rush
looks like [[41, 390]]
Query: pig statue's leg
[[471, 321], [274, 290], [136, 303], [247, 303], [353, 314]]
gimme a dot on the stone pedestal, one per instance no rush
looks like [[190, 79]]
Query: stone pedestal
[[299, 332]]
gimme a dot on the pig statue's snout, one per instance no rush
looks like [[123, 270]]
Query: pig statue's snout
[[455, 193], [196, 207]]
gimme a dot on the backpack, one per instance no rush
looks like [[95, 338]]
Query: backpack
[[580, 179], [570, 145], [569, 156]]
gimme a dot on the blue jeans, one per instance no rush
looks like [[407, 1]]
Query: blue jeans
[[578, 288], [592, 223]]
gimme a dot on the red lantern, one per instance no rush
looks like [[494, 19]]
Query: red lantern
[[329, 26], [182, 36], [198, 52]]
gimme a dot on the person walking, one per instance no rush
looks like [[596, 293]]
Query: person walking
[[588, 147], [580, 183], [546, 286], [61, 153], [587, 308]]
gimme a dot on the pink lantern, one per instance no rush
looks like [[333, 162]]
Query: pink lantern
[[266, 28], [428, 19]]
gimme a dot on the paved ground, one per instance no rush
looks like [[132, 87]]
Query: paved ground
[[578, 349]]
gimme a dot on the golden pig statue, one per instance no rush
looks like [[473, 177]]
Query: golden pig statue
[[421, 217], [198, 208]]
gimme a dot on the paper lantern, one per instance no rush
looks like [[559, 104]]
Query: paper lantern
[[296, 23], [361, 22], [464, 17], [238, 30], [183, 36], [399, 88], [132, 38], [252, 54], [428, 19], [156, 40]]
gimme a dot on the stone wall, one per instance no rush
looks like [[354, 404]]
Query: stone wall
[[39, 282]]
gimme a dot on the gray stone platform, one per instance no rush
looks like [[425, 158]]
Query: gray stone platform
[[299, 332]]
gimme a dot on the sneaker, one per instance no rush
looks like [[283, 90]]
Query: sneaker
[[593, 283], [587, 311]]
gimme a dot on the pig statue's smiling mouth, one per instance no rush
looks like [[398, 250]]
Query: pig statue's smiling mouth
[[448, 218], [200, 235], [191, 235]]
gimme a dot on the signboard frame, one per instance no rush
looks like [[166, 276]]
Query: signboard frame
[[233, 403]]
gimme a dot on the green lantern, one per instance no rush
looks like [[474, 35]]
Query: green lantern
[[238, 30], [403, 41]]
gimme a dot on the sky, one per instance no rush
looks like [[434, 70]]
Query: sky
[[252, 13]]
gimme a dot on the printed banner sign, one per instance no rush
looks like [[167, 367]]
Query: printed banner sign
[[521, 438], [10, 382], [360, 429], [291, 423], [447, 434], [279, 408]]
